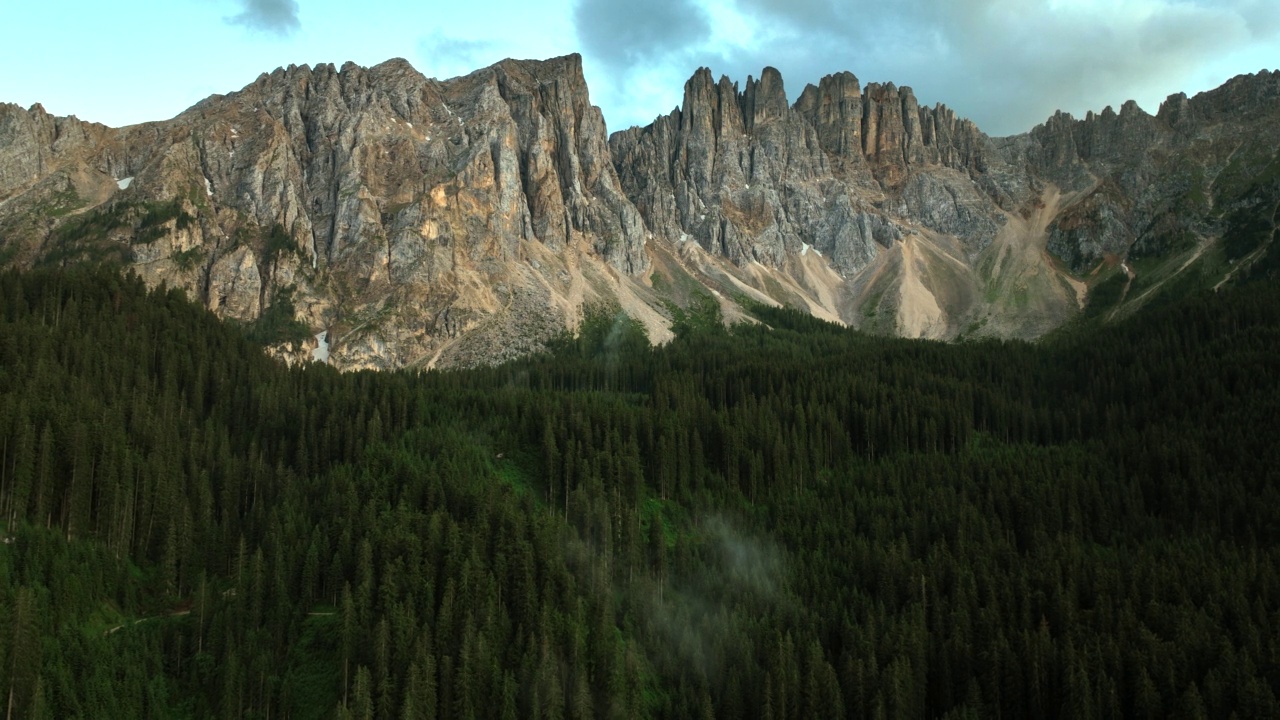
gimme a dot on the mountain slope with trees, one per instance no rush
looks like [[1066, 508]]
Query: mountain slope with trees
[[782, 519]]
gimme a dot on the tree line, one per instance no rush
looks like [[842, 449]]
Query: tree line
[[783, 519]]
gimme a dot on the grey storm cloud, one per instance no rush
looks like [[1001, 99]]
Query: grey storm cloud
[[1007, 65], [279, 17], [623, 34]]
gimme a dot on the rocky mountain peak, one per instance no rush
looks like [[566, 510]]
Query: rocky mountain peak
[[870, 141], [393, 67], [1174, 109], [764, 100], [397, 211], [421, 222], [1245, 96], [834, 108]]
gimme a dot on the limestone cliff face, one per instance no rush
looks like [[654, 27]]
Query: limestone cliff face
[[932, 227], [420, 222], [400, 211], [750, 178], [34, 141], [845, 171], [1142, 179]]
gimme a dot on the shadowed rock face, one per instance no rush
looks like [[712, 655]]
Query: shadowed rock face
[[842, 170], [423, 222], [851, 171]]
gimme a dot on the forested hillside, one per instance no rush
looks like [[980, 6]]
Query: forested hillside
[[780, 520]]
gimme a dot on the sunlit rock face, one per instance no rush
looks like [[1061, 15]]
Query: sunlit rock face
[[417, 222]]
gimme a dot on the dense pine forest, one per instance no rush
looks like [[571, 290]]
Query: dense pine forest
[[783, 519]]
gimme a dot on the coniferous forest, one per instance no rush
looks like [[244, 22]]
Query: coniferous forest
[[783, 519]]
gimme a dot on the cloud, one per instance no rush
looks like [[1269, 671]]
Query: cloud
[[637, 56], [1008, 64], [699, 615], [278, 17], [626, 34], [448, 56], [747, 563]]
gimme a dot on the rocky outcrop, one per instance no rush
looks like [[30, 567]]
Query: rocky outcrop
[[34, 142], [748, 177], [386, 206], [421, 222], [1137, 176], [846, 170]]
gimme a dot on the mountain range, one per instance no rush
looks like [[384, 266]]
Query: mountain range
[[377, 218]]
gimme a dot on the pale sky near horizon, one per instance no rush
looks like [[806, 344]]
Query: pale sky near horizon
[[1006, 64]]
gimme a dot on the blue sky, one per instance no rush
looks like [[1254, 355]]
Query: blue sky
[[1007, 64]]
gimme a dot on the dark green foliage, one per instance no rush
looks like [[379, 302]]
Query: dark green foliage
[[277, 323], [1247, 230], [1266, 267], [701, 316], [1163, 243], [61, 203], [63, 254], [277, 241], [87, 237], [1245, 171], [155, 215], [96, 224], [782, 520], [186, 260], [1105, 295], [604, 336], [1252, 227]]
